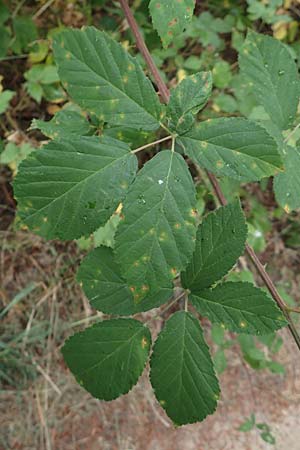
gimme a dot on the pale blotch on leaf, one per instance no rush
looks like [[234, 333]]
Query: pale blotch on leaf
[[173, 272], [144, 342], [243, 324], [204, 144], [287, 208], [162, 236]]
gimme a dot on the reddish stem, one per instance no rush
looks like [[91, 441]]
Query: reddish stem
[[165, 95]]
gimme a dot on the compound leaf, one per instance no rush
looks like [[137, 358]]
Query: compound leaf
[[273, 77], [107, 291], [103, 78], [233, 147], [189, 97], [156, 238], [182, 372], [240, 306], [170, 17], [287, 184], [70, 188], [220, 240], [108, 358]]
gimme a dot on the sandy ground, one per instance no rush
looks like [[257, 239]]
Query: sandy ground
[[61, 416]]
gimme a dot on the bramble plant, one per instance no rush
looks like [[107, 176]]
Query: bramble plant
[[75, 183]]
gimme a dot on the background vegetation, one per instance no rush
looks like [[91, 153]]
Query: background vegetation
[[42, 407]]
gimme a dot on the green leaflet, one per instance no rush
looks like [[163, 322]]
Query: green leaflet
[[70, 188], [64, 124], [233, 147], [220, 240], [103, 78], [189, 97], [108, 358], [240, 306], [273, 77], [107, 290], [287, 184], [182, 373], [170, 17], [156, 238]]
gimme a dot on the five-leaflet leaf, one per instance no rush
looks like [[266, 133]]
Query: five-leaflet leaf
[[73, 185]]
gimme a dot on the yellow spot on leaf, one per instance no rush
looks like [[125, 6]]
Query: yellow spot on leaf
[[243, 324], [287, 208], [144, 342], [173, 271]]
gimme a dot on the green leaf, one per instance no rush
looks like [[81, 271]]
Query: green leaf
[[170, 18], [189, 97], [5, 98], [248, 424], [273, 77], [108, 358], [70, 188], [220, 240], [217, 334], [106, 235], [103, 78], [35, 90], [107, 291], [64, 124], [221, 74], [233, 147], [182, 373], [43, 74], [287, 184], [220, 361], [14, 154], [268, 437], [241, 307], [156, 239], [25, 32]]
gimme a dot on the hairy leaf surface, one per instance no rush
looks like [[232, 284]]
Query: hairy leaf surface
[[287, 184], [107, 290], [182, 372], [103, 78], [156, 238], [273, 77], [70, 188], [240, 306], [108, 358], [189, 97], [233, 147], [170, 17], [220, 240]]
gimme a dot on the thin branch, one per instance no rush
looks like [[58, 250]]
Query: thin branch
[[167, 138], [164, 92], [218, 191]]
